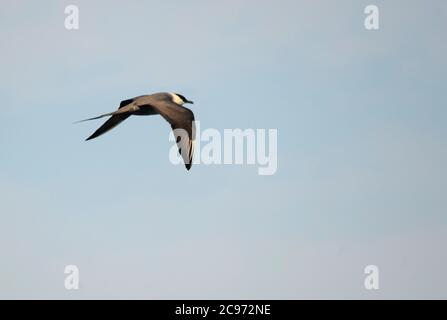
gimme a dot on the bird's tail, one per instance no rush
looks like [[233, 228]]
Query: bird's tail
[[99, 117]]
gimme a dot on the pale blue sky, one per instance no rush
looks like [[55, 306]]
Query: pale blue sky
[[361, 118]]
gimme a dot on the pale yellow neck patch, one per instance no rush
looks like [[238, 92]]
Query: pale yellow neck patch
[[176, 99]]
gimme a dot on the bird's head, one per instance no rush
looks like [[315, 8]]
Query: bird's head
[[179, 99]]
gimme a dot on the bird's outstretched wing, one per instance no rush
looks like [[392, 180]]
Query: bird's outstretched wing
[[123, 112], [110, 124], [182, 123], [126, 102], [185, 142]]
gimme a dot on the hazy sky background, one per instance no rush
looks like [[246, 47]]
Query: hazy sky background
[[362, 150]]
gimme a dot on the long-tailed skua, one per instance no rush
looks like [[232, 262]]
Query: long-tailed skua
[[169, 106]]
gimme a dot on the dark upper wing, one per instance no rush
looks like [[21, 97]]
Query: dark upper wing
[[182, 123], [110, 124], [185, 142], [125, 102]]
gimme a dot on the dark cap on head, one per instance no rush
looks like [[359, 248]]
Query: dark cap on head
[[183, 98]]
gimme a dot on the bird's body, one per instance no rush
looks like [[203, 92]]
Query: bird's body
[[169, 106]]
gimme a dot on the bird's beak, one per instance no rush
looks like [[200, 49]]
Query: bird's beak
[[189, 101]]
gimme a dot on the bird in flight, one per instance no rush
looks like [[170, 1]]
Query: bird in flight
[[169, 106]]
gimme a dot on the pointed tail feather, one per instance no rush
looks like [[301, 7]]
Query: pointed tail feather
[[98, 117]]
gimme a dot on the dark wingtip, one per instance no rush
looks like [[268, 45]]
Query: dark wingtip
[[188, 166], [94, 135]]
